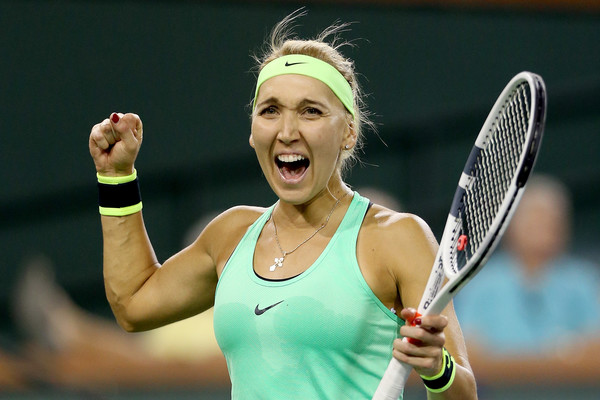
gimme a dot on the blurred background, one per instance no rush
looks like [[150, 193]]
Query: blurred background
[[431, 69]]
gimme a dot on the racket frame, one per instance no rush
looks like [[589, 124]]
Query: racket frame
[[435, 297]]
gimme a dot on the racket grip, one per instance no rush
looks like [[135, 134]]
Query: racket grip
[[393, 381]]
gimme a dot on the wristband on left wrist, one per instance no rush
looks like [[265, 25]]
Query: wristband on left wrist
[[444, 379]]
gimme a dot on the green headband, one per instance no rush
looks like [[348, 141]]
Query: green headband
[[309, 66]]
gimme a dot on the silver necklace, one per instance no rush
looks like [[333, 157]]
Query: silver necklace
[[278, 262]]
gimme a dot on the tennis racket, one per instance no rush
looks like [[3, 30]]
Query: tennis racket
[[488, 192]]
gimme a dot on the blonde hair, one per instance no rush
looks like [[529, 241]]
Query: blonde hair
[[326, 47]]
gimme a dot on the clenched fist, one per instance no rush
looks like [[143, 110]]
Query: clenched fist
[[115, 143]]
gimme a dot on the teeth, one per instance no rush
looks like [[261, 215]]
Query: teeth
[[289, 157]]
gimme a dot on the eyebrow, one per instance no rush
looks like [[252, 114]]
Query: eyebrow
[[303, 102], [306, 102], [269, 100]]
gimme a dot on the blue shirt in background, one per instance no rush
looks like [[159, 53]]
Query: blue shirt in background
[[509, 314]]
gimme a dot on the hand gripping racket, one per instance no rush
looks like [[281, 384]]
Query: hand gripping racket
[[488, 192]]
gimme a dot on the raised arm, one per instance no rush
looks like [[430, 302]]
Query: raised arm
[[142, 293]]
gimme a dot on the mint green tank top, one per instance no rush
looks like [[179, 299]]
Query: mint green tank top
[[320, 335]]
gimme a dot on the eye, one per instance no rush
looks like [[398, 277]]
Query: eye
[[268, 110], [312, 112]]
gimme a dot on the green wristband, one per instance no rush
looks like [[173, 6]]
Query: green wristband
[[444, 379], [116, 180], [120, 211]]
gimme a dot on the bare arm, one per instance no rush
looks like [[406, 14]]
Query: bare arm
[[142, 293], [401, 251], [434, 331]]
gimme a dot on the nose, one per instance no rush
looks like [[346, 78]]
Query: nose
[[289, 128]]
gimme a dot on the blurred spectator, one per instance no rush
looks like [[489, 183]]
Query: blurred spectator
[[68, 347], [533, 312], [14, 372]]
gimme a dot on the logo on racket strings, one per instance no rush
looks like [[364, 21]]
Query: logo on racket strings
[[462, 242]]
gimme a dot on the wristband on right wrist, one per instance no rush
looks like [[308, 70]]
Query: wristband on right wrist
[[444, 379], [119, 196]]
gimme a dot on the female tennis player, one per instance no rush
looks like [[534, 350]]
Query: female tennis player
[[305, 291]]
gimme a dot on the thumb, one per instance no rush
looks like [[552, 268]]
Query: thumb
[[114, 121], [412, 318], [128, 128], [409, 315]]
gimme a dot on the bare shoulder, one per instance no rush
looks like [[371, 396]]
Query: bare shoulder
[[224, 232], [401, 228], [235, 218], [395, 251]]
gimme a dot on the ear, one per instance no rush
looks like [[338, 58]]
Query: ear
[[350, 136], [251, 141]]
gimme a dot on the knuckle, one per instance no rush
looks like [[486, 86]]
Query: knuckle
[[430, 363], [443, 322], [131, 117], [96, 135], [400, 356], [419, 334], [442, 339]]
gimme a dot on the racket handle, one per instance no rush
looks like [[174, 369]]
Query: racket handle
[[393, 381]]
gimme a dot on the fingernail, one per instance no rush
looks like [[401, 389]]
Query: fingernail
[[417, 321], [115, 118], [416, 342]]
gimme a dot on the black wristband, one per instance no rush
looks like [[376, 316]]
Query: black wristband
[[118, 196]]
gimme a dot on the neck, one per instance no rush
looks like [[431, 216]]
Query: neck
[[313, 212]]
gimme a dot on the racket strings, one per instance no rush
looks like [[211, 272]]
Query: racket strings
[[495, 167]]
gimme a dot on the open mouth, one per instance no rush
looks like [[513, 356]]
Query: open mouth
[[292, 167]]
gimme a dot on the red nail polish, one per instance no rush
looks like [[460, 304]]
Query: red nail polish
[[115, 118], [416, 342], [417, 321]]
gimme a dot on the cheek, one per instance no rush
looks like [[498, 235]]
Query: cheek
[[325, 145], [325, 160], [259, 136], [330, 136]]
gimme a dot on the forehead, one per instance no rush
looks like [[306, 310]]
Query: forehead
[[295, 88]]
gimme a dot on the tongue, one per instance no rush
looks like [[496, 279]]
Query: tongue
[[291, 172]]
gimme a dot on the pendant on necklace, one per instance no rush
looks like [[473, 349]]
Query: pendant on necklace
[[278, 263]]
